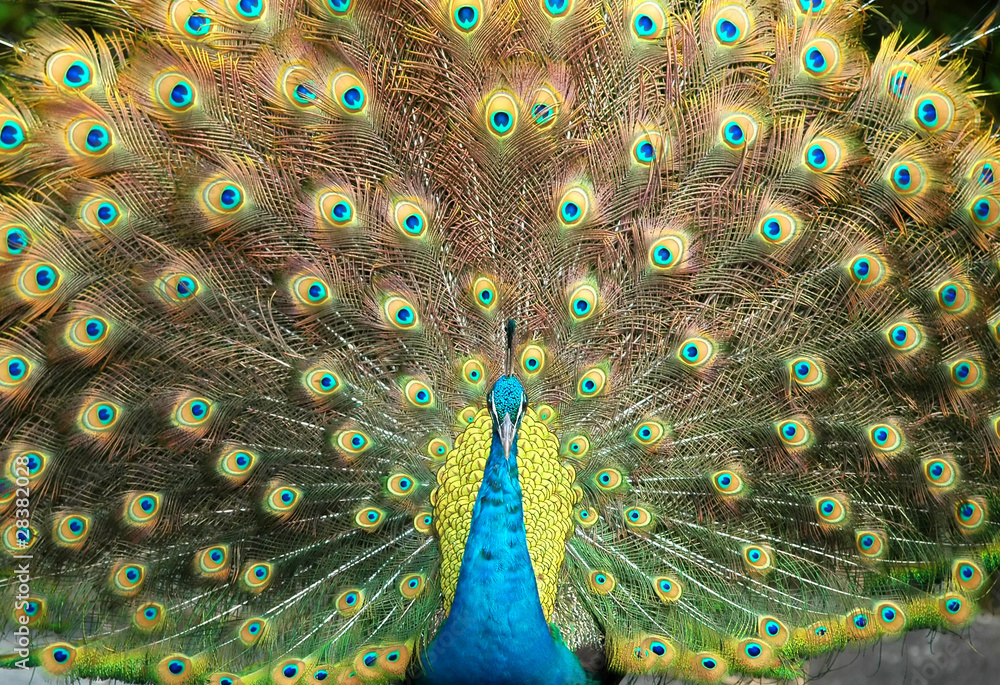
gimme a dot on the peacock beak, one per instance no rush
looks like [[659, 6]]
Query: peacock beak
[[508, 432]]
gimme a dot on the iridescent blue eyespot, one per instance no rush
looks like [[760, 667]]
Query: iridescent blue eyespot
[[77, 74], [290, 671], [708, 663], [199, 23], [98, 138], [370, 659], [17, 241], [60, 655], [860, 621], [339, 6], [753, 650], [181, 95], [772, 628], [466, 17], [11, 135], [251, 9], [176, 666], [927, 113], [953, 605]]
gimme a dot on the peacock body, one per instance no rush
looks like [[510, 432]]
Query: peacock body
[[264, 420]]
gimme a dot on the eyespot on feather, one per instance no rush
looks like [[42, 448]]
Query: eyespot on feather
[[866, 270], [31, 464], [545, 104], [832, 510], [58, 658], [820, 56], [794, 433], [648, 22], [583, 302], [370, 518], [649, 433], [15, 370], [223, 196], [246, 10], [69, 70], [557, 9], [101, 213], [350, 602], [348, 91], [933, 112], [667, 252], [592, 383], [179, 288], [739, 131], [900, 77], [648, 147], [574, 206], [13, 134], [772, 631], [212, 563], [806, 372], [940, 472], [758, 559], [533, 359], [731, 25], [423, 522], [907, 177], [601, 582], [175, 669], [401, 485], [485, 293], [38, 280], [99, 417], [639, 519], [586, 516], [410, 219], [336, 208], [418, 394], [142, 508], [310, 291], [256, 576], [501, 114], [298, 84], [955, 609], [985, 211], [89, 137], [608, 480], [655, 652], [71, 530], [30, 611], [966, 374], [174, 92], [149, 616], [696, 352], [192, 412], [127, 578], [252, 630], [668, 589], [321, 382], [871, 544], [412, 585], [954, 297], [235, 465], [190, 19], [400, 313], [884, 438], [968, 575], [282, 500], [17, 240], [903, 336], [728, 483], [971, 514], [465, 15], [823, 155], [890, 617]]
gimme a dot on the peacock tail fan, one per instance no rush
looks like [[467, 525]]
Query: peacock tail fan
[[256, 265]]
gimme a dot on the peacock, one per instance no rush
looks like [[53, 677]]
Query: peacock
[[490, 341]]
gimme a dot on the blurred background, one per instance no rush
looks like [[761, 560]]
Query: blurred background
[[921, 658]]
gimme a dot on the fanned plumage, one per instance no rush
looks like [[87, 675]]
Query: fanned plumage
[[256, 266]]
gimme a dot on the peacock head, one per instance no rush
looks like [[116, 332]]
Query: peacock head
[[507, 403]]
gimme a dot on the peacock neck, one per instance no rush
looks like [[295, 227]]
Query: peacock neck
[[496, 631]]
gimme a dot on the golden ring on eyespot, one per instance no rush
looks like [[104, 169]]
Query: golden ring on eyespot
[[257, 575], [757, 557], [39, 279], [608, 479], [823, 155], [820, 56], [933, 111], [966, 373], [668, 589], [13, 133], [466, 15], [349, 602], [501, 114], [401, 484], [585, 516], [831, 509], [101, 213], [418, 393], [149, 616], [806, 372], [885, 438], [753, 652], [423, 522], [86, 332], [410, 219], [179, 287], [696, 352], [412, 585], [900, 77], [968, 575], [15, 369], [940, 472], [984, 172], [728, 483], [648, 22], [310, 290], [772, 631], [370, 518], [400, 313], [174, 669], [299, 85], [544, 106], [970, 514], [89, 137], [890, 616], [601, 582], [348, 92], [871, 544], [58, 658], [953, 297], [866, 270], [287, 672], [985, 211], [336, 208], [533, 359], [70, 70], [954, 608], [193, 412], [484, 293], [557, 11], [583, 302], [577, 446], [655, 651], [100, 416], [777, 228], [592, 383], [903, 336], [731, 25], [15, 241], [253, 11], [31, 464], [18, 539], [174, 91], [282, 499], [739, 131], [793, 432], [649, 432], [190, 19], [574, 206], [907, 177], [467, 415], [321, 381], [71, 530], [142, 507], [128, 578], [214, 560], [545, 413], [353, 441], [237, 463], [638, 518], [473, 371], [437, 448], [667, 252], [29, 611], [859, 624], [252, 630], [647, 147]]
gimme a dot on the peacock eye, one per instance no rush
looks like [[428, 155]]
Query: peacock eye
[[501, 114], [465, 14], [348, 91], [777, 228]]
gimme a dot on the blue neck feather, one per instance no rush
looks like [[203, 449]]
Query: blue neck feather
[[496, 632]]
